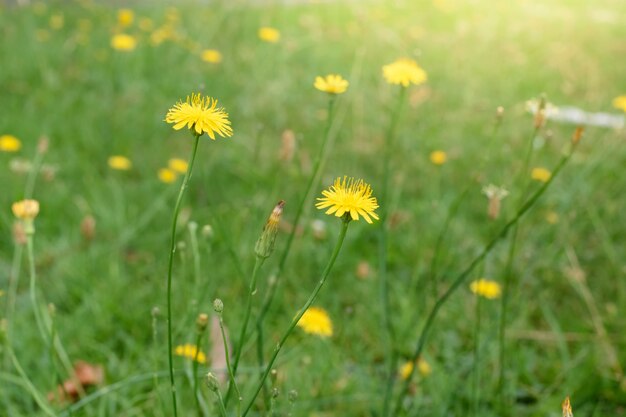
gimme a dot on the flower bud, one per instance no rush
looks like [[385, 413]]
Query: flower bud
[[578, 134], [212, 382], [265, 245], [275, 392], [88, 228], [292, 396], [218, 306], [202, 322]]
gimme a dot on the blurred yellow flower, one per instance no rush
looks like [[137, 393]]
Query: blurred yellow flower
[[125, 17], [486, 288], [57, 21], [120, 163], [620, 102], [190, 351], [212, 56], [566, 408], [438, 157], [167, 175], [178, 165], [25, 209], [404, 71], [350, 197], [332, 84], [422, 366], [123, 42], [200, 114], [145, 24], [269, 34], [552, 217], [540, 174], [42, 35], [316, 321], [9, 143]]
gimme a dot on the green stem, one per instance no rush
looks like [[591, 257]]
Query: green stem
[[388, 330], [476, 387], [231, 373], [33, 289], [29, 385], [220, 403], [195, 373], [299, 315], [463, 275], [169, 272]]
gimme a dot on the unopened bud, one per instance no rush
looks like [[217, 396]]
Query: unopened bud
[[207, 231], [578, 134], [265, 245], [292, 396], [88, 228], [155, 312], [202, 322], [212, 382], [218, 306], [273, 375], [499, 112], [540, 115], [275, 392]]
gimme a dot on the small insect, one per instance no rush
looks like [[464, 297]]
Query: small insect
[[567, 408]]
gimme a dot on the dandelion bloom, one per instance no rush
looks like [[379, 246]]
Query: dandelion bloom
[[120, 163], [57, 21], [540, 174], [422, 366], [200, 114], [552, 217], [178, 165], [316, 321], [620, 102], [25, 209], [212, 56], [125, 17], [404, 71], [9, 143], [123, 42], [269, 34], [486, 288], [191, 352], [438, 157], [167, 175], [331, 84], [349, 196]]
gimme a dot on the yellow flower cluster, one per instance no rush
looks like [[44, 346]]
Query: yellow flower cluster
[[316, 321], [422, 366], [175, 167], [438, 157], [212, 56], [120, 163], [25, 209], [351, 198], [191, 352], [403, 72], [9, 143], [123, 42], [540, 174], [331, 84], [486, 288], [269, 34]]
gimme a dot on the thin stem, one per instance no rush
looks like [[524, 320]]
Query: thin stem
[[476, 387], [169, 272], [421, 341], [299, 315], [29, 385], [388, 330], [231, 373], [220, 403], [195, 372], [33, 289], [14, 278]]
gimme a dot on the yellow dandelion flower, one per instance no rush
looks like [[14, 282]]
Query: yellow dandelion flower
[[57, 21], [349, 197], [9, 143], [125, 17], [316, 321], [269, 34], [422, 366], [191, 352], [120, 163], [404, 71], [552, 217], [331, 84], [486, 288], [200, 114], [178, 165], [438, 157], [620, 102], [540, 174], [212, 56], [167, 175], [123, 42], [25, 209]]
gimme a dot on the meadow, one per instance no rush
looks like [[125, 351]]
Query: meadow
[[85, 88]]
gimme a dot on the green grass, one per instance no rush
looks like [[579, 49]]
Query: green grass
[[94, 102]]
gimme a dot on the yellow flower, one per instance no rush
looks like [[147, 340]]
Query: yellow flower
[[123, 42], [404, 71], [25, 209], [486, 288], [191, 352], [178, 165], [620, 102], [316, 321], [540, 174], [438, 157], [200, 114], [422, 366], [212, 56], [57, 21], [125, 17], [167, 175], [331, 84], [349, 197], [120, 163], [269, 34], [9, 143]]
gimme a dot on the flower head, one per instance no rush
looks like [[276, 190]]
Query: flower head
[[125, 17], [269, 34], [123, 42], [25, 209], [316, 321], [486, 288], [120, 163], [404, 71], [191, 352], [438, 157], [331, 84], [349, 197], [167, 175], [212, 56], [422, 366], [178, 165], [620, 102], [9, 143], [540, 174], [200, 114]]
